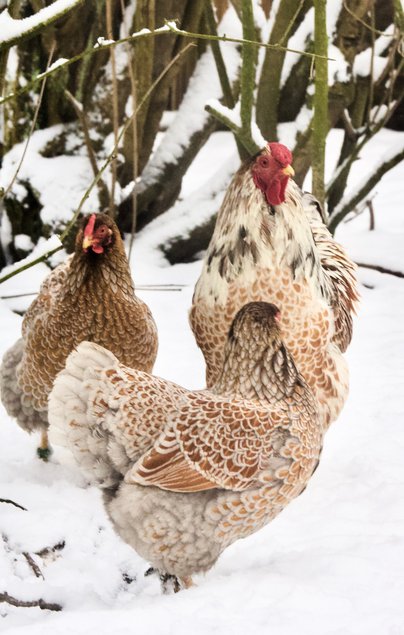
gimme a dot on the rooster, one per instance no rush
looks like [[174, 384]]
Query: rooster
[[270, 244], [219, 464], [90, 297]]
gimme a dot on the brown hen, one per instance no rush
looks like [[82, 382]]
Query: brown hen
[[270, 244], [218, 466], [90, 297]]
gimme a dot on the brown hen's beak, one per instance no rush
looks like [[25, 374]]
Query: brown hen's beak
[[87, 242], [289, 171]]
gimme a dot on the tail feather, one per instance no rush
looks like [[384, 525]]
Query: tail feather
[[73, 422]]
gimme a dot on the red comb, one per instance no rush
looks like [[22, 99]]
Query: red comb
[[281, 153], [89, 228]]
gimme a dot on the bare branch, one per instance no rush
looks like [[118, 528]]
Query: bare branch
[[344, 209], [320, 117], [247, 68], [10, 502], [391, 272], [32, 25], [32, 128], [115, 114], [42, 604], [87, 193], [81, 115], [37, 571], [242, 135], [219, 61], [169, 28]]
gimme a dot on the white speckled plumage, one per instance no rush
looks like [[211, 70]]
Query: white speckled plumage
[[217, 466], [283, 254]]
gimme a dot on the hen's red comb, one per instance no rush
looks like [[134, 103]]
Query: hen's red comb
[[281, 153], [89, 228]]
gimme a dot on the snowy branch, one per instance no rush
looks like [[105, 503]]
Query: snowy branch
[[348, 204], [42, 604], [14, 31], [227, 117], [30, 263], [170, 27]]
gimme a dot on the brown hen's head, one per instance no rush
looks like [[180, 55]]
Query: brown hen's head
[[258, 322], [271, 170], [98, 234]]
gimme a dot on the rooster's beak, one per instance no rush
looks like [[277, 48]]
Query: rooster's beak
[[289, 171], [87, 242]]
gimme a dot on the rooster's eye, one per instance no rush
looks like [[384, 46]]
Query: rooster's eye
[[264, 162]]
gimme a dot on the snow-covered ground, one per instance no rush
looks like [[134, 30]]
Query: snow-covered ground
[[331, 564]]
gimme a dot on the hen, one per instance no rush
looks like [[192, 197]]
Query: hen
[[90, 297], [270, 244], [218, 466]]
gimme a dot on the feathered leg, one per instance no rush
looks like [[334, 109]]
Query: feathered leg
[[44, 451]]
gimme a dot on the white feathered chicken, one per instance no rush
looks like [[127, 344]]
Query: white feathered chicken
[[270, 244]]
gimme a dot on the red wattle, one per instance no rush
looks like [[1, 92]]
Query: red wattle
[[275, 193]]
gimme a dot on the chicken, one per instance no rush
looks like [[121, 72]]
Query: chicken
[[270, 244], [220, 464], [90, 297]]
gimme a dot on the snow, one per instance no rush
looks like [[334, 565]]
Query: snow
[[330, 564], [51, 177], [23, 242], [362, 65], [381, 148], [298, 41], [11, 28], [191, 115]]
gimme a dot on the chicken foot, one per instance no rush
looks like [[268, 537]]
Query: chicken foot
[[44, 451], [170, 582]]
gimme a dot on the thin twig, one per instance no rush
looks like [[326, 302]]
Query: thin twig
[[79, 110], [369, 204], [292, 22], [139, 287], [224, 38], [28, 265], [372, 65], [37, 571], [246, 139], [164, 30], [133, 88], [115, 115], [217, 54], [87, 193], [32, 128], [42, 604], [120, 136], [10, 502], [391, 272], [365, 24]]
